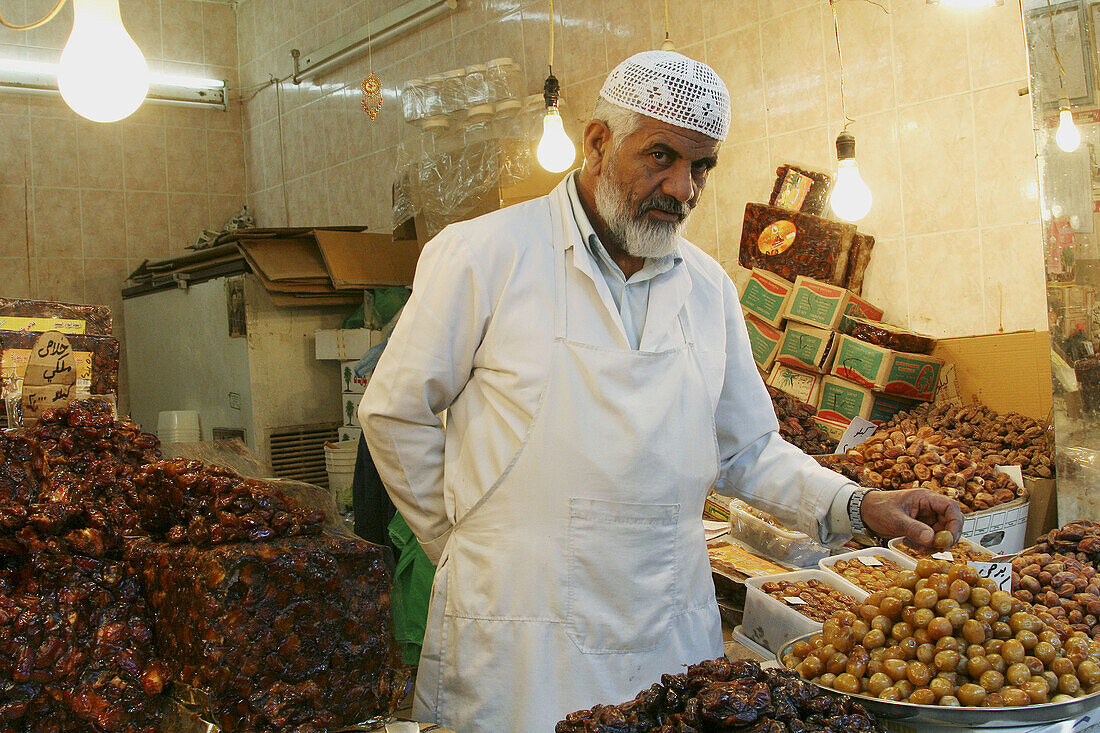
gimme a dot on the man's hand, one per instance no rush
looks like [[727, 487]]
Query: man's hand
[[916, 514]]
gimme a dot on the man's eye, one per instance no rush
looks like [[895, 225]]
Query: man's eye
[[660, 156]]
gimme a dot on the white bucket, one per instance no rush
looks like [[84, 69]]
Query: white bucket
[[178, 426]]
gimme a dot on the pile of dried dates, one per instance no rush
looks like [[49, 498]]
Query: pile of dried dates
[[922, 458], [1059, 576], [796, 424], [1002, 440], [724, 695]]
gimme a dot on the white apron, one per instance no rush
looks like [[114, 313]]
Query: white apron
[[581, 575]]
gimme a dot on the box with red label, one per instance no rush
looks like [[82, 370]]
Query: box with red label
[[816, 303], [842, 401], [351, 381], [861, 308], [764, 341], [913, 376], [96, 361], [865, 364], [805, 347], [765, 296]]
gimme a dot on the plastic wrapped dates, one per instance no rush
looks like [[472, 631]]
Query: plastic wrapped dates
[[721, 694], [292, 634], [946, 636]]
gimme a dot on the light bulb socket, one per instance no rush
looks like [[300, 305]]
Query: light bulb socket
[[551, 90], [845, 146], [1063, 104]]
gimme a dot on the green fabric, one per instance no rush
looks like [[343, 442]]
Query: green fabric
[[412, 587], [387, 302], [355, 319]]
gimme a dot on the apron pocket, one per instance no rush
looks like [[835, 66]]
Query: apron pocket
[[622, 578]]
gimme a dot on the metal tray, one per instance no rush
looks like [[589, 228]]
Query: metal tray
[[1030, 715]]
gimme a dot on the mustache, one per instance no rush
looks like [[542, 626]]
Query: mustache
[[665, 203]]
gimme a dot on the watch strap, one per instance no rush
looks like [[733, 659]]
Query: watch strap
[[855, 516]]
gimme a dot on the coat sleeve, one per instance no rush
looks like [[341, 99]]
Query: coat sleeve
[[425, 365], [756, 463]]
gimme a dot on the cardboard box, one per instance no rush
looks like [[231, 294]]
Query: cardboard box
[[842, 401], [1042, 508], [914, 376], [765, 296], [346, 433], [764, 340], [816, 303], [833, 428], [349, 407], [1001, 529], [350, 380], [861, 308], [1007, 372], [345, 343], [885, 406], [805, 347], [801, 384], [865, 364]]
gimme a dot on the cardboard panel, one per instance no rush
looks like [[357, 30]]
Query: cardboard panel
[[357, 260], [1007, 372]]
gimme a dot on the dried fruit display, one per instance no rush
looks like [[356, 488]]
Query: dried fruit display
[[186, 501], [812, 598], [963, 551], [720, 694], [948, 637], [76, 649], [291, 634], [887, 336], [1004, 440], [96, 318], [796, 424], [103, 350], [790, 243], [869, 577], [904, 458], [1060, 577]]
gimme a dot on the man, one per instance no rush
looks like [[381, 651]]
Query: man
[[599, 382]]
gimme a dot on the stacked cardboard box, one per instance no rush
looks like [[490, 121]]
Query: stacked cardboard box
[[802, 340], [347, 346]]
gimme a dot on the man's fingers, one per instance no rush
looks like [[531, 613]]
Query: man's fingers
[[916, 530], [947, 512]]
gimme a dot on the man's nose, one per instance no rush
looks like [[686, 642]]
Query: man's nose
[[680, 185]]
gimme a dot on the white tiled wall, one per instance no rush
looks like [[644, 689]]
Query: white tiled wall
[[944, 138]]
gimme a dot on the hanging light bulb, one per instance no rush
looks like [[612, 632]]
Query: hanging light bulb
[[102, 75], [1067, 136], [555, 152], [851, 198]]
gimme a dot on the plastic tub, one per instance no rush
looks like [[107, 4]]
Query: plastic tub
[[772, 623], [783, 545], [905, 561], [738, 635], [987, 554]]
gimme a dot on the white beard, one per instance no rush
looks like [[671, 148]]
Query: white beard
[[638, 235]]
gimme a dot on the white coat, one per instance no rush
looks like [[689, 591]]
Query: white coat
[[562, 504]]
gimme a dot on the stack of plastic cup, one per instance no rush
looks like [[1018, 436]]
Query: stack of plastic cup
[[340, 463], [178, 426]]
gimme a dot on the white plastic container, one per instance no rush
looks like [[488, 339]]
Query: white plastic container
[[905, 561], [739, 636], [178, 426], [893, 545], [772, 623], [783, 545]]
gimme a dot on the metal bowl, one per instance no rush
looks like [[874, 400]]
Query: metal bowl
[[962, 717]]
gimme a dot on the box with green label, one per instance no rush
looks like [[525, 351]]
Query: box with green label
[[857, 361], [765, 296], [799, 383], [885, 406], [764, 340], [861, 308], [843, 401], [816, 303], [805, 347], [833, 428], [913, 376]]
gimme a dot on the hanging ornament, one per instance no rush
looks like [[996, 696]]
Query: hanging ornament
[[372, 96]]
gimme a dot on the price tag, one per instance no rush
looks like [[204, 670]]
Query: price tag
[[872, 561], [858, 431], [943, 556], [794, 600], [998, 572], [50, 376]]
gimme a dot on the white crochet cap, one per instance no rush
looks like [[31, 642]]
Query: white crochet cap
[[670, 87]]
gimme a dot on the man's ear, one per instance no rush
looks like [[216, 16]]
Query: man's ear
[[597, 144]]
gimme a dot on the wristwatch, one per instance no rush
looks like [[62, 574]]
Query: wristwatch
[[855, 505]]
